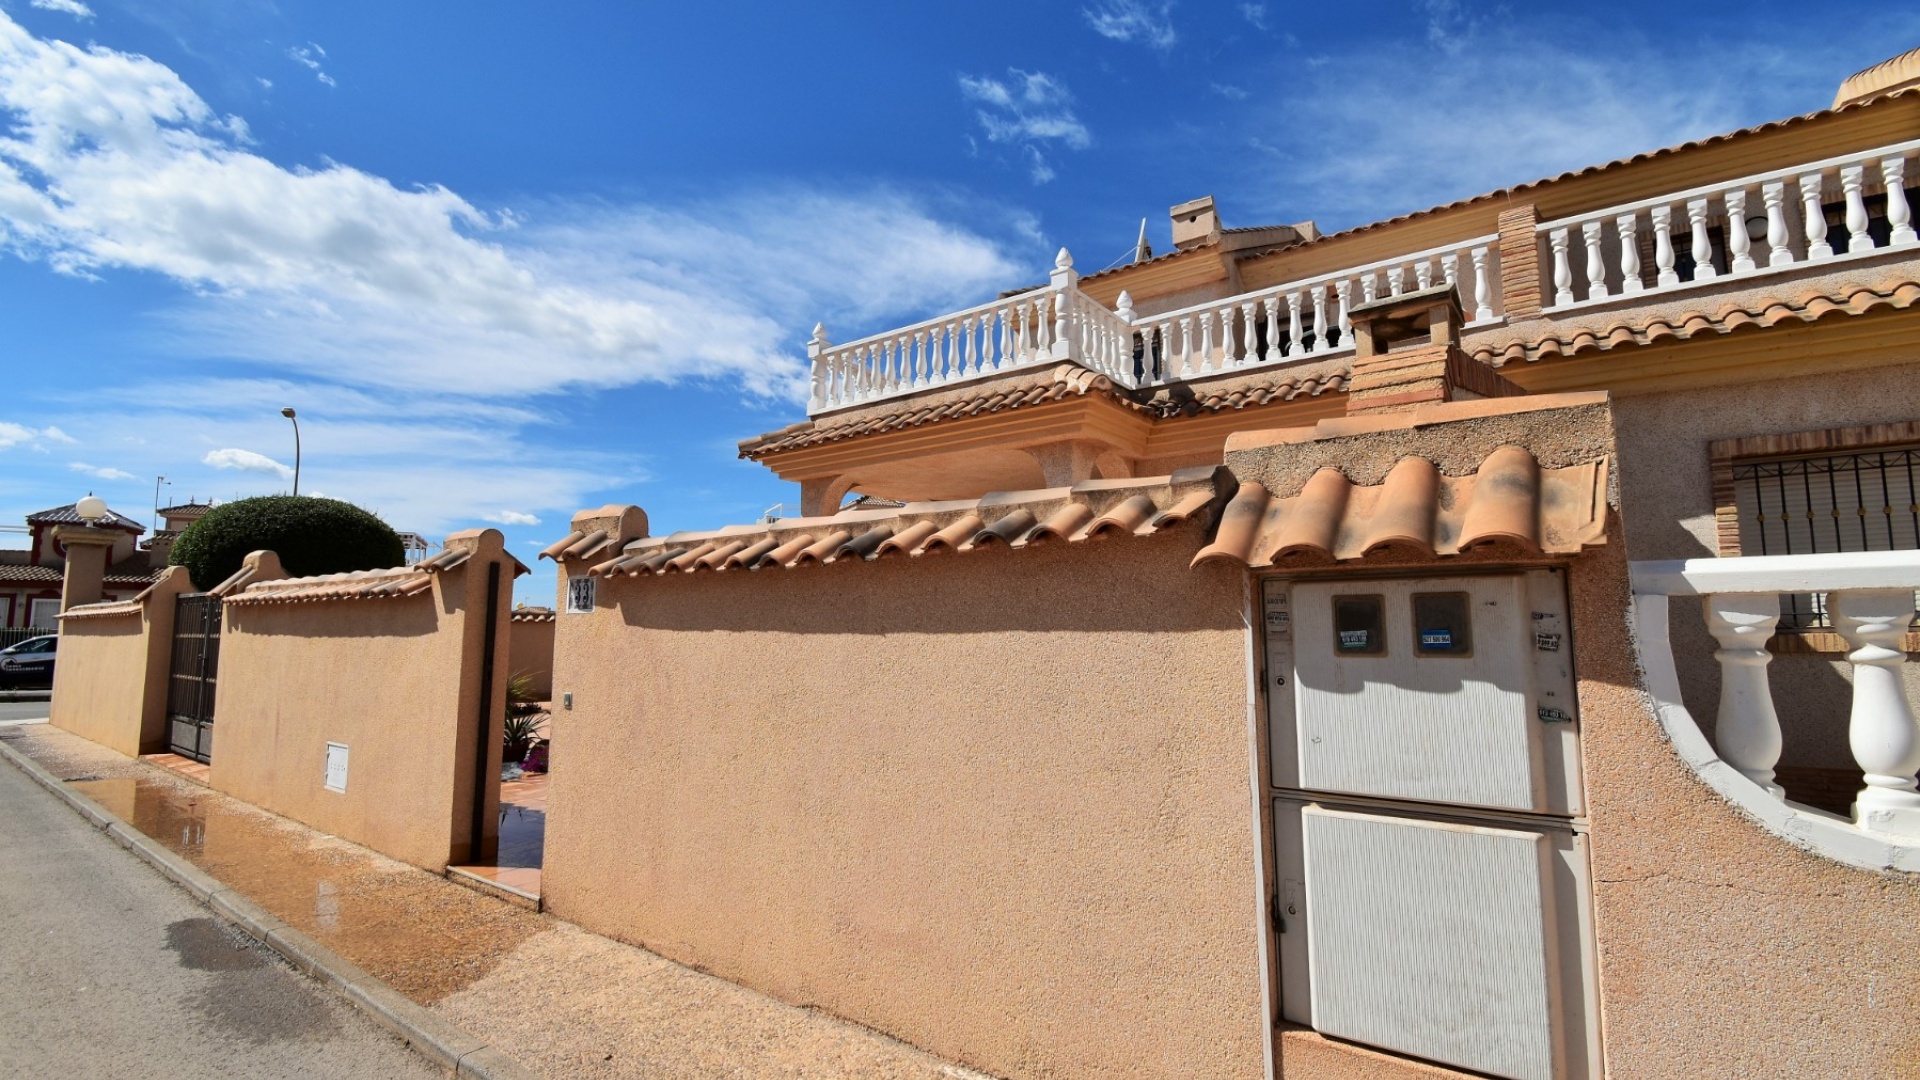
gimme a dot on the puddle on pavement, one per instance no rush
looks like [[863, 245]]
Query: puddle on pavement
[[420, 934]]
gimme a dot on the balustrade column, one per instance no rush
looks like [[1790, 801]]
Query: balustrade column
[[1450, 271], [1186, 346], [1778, 253], [1344, 289], [1562, 269], [1165, 352], [1250, 324], [1899, 214], [1664, 273], [1272, 351], [1881, 731], [1596, 260], [1852, 178], [1206, 341], [1423, 274], [1396, 280], [1628, 225], [1319, 294], [1739, 244], [1482, 286], [1816, 217], [1295, 345], [1702, 251], [1747, 732]]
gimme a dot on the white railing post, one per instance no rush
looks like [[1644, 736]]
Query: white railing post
[[1629, 229], [1596, 260], [1739, 244], [1294, 342], [1319, 293], [1778, 253], [1123, 307], [1815, 217], [1482, 288], [1899, 214], [1702, 250], [1747, 731], [1344, 289], [1882, 731], [1851, 180], [1663, 247], [1064, 280], [816, 346], [1272, 307], [1562, 269]]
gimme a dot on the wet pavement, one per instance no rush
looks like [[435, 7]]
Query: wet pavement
[[562, 1001]]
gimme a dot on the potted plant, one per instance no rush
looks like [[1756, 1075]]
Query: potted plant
[[524, 717]]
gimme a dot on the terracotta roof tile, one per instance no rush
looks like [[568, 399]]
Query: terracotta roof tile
[[1893, 293], [533, 614], [387, 583], [1017, 520], [1510, 500]]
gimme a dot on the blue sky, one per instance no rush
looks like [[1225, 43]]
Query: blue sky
[[510, 260]]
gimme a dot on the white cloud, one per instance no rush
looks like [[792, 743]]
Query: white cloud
[[1029, 110], [12, 434], [510, 517], [246, 461], [112, 162], [70, 7], [100, 471], [1231, 93], [1255, 14], [1132, 20], [309, 57]]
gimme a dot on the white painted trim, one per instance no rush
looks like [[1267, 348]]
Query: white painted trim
[[1812, 830], [1777, 574], [1263, 921], [1807, 267]]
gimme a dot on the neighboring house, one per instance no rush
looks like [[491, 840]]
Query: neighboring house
[[30, 579]]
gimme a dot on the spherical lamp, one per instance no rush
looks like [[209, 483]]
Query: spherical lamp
[[92, 508]]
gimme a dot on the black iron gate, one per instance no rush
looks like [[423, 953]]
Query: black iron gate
[[196, 663]]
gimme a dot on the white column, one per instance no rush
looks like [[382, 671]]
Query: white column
[[1596, 260], [1778, 253], [1250, 328], [1186, 346], [1344, 290], [1851, 179], [1702, 249], [1294, 342], [1663, 247], [1882, 732], [817, 346], [1319, 294], [1747, 733], [1739, 244], [1206, 341], [1815, 217], [1628, 226], [1482, 287], [1899, 214], [1123, 350], [1163, 353], [1396, 280], [1562, 269], [1423, 274], [1272, 351]]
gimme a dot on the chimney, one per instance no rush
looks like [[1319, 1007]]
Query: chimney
[[1407, 354], [1195, 223]]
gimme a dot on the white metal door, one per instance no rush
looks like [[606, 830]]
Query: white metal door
[[1450, 690]]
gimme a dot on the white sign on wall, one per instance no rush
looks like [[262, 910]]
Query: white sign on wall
[[337, 767]]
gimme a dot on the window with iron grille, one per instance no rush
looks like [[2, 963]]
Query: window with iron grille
[[1865, 500], [580, 595]]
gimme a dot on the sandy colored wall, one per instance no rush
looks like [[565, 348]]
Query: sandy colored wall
[[398, 680], [995, 804], [532, 653], [110, 681], [1724, 950], [1667, 499]]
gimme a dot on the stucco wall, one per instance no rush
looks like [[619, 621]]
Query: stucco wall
[[531, 653], [1724, 950], [397, 680], [1667, 499], [110, 680], [995, 804]]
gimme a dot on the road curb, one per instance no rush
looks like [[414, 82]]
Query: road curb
[[445, 1044]]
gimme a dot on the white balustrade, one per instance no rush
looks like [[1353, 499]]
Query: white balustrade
[[1870, 598], [1724, 226]]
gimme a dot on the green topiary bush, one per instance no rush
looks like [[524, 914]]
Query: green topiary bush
[[311, 536]]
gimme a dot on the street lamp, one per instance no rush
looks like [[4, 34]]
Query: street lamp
[[91, 509], [288, 413], [157, 481]]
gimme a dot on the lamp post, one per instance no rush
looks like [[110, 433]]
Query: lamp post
[[288, 413], [87, 550], [157, 481]]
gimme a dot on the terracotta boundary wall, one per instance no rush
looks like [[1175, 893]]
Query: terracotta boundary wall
[[531, 651], [997, 804], [110, 682], [396, 677]]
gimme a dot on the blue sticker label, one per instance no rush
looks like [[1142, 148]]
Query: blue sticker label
[[1353, 639], [1436, 639]]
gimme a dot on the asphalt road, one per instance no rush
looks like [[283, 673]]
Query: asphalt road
[[22, 710], [108, 970]]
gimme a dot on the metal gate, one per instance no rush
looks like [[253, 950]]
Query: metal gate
[[190, 684]]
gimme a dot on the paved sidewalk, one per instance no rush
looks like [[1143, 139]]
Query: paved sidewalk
[[563, 1002]]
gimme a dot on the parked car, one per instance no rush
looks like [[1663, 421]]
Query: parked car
[[30, 663]]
